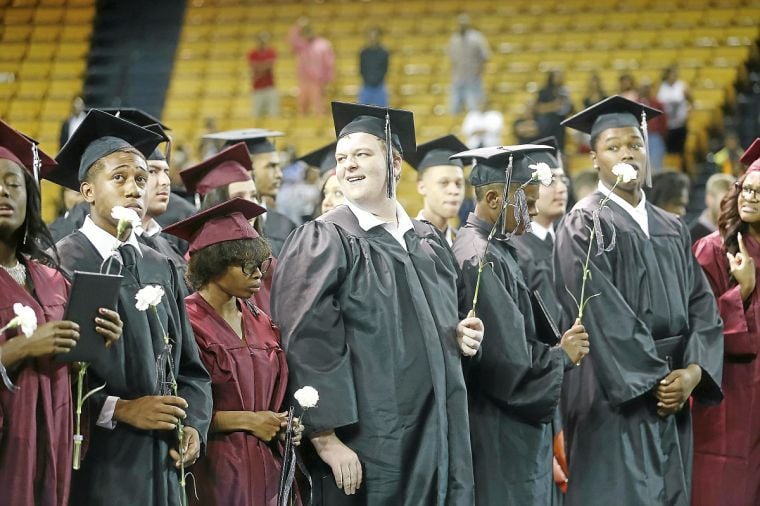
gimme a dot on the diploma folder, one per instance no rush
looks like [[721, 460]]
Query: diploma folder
[[547, 330], [89, 292]]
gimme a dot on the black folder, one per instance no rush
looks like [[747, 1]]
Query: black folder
[[547, 330], [89, 292]]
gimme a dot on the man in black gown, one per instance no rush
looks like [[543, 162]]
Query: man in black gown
[[367, 302], [132, 453]]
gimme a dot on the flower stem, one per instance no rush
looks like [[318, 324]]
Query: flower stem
[[78, 435]]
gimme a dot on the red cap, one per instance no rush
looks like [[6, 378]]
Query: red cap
[[230, 165], [18, 148], [751, 157], [227, 221]]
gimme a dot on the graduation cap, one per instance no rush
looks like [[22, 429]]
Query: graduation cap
[[324, 158], [23, 150], [552, 160], [492, 162], [436, 152], [615, 112], [99, 135], [228, 221], [136, 116], [751, 157], [256, 139], [394, 126], [231, 165]]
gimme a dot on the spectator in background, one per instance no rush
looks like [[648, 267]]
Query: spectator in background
[[316, 66], [627, 87], [584, 183], [373, 65], [674, 95], [72, 122], [266, 100], [657, 127], [716, 188], [525, 127], [670, 192], [468, 51], [553, 105], [483, 126], [594, 90], [727, 158]]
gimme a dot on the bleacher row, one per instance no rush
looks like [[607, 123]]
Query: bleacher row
[[708, 39], [43, 58]]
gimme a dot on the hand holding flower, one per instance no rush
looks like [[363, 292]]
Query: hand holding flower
[[191, 448], [49, 339], [470, 335], [151, 412], [575, 342]]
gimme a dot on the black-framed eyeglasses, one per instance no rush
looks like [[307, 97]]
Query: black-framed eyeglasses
[[748, 192], [249, 267]]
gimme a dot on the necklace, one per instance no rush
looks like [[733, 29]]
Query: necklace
[[17, 272]]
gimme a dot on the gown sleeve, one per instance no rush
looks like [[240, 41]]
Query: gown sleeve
[[704, 346], [311, 270], [622, 349]]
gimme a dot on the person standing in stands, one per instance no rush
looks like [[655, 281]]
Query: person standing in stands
[[367, 302], [316, 66], [133, 454], [675, 96], [715, 189], [266, 99], [373, 66], [727, 437], [468, 53]]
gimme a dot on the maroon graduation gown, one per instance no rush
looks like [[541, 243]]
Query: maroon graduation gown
[[35, 422], [246, 375], [727, 436]]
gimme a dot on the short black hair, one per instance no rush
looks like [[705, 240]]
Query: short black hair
[[212, 261], [667, 188]]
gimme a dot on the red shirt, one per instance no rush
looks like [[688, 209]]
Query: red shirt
[[262, 67]]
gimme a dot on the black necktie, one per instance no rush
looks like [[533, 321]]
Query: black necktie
[[128, 256], [549, 240]]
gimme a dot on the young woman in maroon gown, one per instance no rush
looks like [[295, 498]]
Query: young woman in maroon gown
[[727, 436], [36, 424], [240, 346]]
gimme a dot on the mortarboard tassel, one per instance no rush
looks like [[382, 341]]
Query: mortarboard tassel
[[505, 196], [389, 156], [645, 131], [36, 163]]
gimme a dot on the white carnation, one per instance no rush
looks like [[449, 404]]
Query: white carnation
[[125, 217], [625, 172], [541, 172], [307, 397], [149, 296], [25, 318]]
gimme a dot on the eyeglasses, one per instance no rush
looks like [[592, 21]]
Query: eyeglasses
[[748, 192], [249, 267]]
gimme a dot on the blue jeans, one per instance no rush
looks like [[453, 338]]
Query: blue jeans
[[373, 95], [467, 94]]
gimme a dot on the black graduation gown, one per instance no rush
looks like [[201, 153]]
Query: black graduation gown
[[70, 222], [619, 450], [177, 210], [373, 328], [514, 385], [277, 227], [160, 243], [535, 258], [127, 466]]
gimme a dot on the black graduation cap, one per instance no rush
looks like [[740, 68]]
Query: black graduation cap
[[99, 135], [436, 152], [492, 162], [23, 150], [615, 112], [256, 139], [553, 160], [136, 116], [324, 158], [394, 126]]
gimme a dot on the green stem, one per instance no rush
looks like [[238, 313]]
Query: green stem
[[78, 435]]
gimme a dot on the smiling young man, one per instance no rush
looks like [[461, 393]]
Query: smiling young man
[[514, 387], [132, 449], [655, 334], [367, 302], [440, 181]]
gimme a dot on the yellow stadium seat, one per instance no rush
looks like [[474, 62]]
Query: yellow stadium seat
[[76, 33], [55, 109], [7, 91], [48, 16], [34, 70], [64, 88], [18, 16], [24, 109], [748, 16], [41, 51], [729, 56], [608, 40], [742, 36], [72, 51], [577, 41], [69, 69], [13, 52], [687, 19], [694, 57], [32, 90], [46, 33], [720, 17], [16, 33], [79, 15]]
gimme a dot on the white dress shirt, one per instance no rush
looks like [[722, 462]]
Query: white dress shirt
[[638, 213], [448, 232], [397, 229], [541, 231]]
